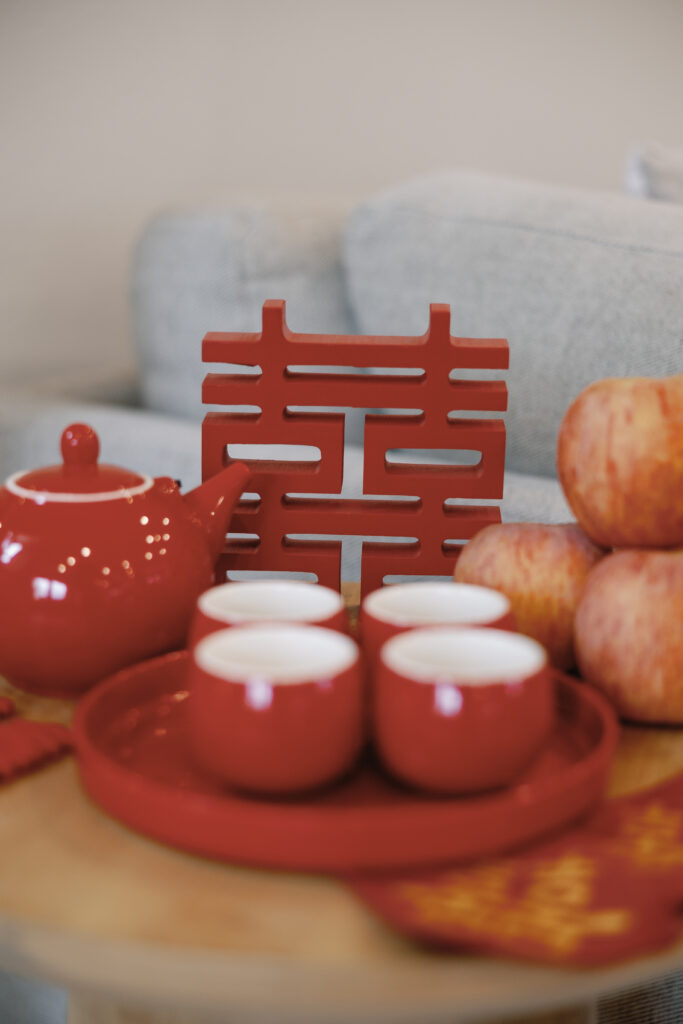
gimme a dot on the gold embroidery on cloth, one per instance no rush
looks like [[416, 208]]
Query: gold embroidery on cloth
[[553, 909], [650, 836]]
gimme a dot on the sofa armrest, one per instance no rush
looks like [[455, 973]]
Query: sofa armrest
[[31, 427], [165, 446]]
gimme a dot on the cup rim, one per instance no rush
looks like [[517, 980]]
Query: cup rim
[[279, 654], [485, 603], [216, 602], [462, 656]]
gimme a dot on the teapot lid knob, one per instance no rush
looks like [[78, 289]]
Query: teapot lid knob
[[80, 446], [79, 475]]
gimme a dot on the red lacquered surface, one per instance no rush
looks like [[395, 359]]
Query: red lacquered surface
[[426, 382], [274, 738], [100, 567], [131, 735], [460, 739], [208, 619]]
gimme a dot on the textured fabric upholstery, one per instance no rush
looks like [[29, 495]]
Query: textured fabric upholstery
[[584, 285], [654, 171], [148, 442], [206, 271]]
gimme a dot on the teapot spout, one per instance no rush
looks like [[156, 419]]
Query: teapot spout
[[214, 500]]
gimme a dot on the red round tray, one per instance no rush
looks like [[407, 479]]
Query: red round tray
[[134, 762]]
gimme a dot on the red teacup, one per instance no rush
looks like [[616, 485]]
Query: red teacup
[[236, 604], [276, 708], [460, 710], [394, 609]]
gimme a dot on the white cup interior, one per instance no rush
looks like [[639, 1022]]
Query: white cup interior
[[276, 654], [270, 601], [472, 657], [406, 604]]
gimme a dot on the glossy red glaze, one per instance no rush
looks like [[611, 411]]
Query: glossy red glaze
[[209, 618], [79, 471], [92, 580], [374, 630], [451, 737], [268, 737], [135, 761]]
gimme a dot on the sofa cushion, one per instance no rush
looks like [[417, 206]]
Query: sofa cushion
[[584, 285], [655, 171], [212, 271], [162, 446], [148, 442]]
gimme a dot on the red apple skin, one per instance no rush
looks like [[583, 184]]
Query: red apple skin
[[542, 570], [628, 633], [620, 461]]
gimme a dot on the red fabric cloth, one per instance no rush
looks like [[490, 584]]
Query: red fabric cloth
[[6, 707], [606, 890], [26, 745]]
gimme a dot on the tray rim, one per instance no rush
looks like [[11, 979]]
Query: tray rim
[[94, 765]]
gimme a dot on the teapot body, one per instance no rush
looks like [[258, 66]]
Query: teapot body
[[88, 586]]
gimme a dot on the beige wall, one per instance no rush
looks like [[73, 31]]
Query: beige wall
[[112, 109]]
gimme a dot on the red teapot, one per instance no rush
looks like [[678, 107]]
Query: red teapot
[[101, 567]]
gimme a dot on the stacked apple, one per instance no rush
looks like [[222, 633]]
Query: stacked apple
[[606, 593]]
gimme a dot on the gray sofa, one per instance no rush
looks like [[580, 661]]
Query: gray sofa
[[583, 285]]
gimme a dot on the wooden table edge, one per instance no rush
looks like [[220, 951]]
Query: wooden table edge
[[433, 986]]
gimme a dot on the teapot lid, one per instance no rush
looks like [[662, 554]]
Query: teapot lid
[[79, 477]]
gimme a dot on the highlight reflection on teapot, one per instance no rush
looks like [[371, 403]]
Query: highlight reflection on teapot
[[101, 567]]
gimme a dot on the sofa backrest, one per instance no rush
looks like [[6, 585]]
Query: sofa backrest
[[212, 271], [584, 285]]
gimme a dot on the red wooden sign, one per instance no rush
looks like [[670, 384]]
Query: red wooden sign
[[282, 375]]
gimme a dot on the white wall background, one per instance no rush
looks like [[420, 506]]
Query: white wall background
[[112, 109]]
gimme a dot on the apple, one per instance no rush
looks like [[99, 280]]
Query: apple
[[541, 569], [628, 633], [620, 461]]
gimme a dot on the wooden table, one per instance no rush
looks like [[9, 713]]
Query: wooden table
[[122, 921]]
